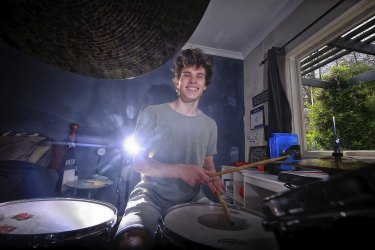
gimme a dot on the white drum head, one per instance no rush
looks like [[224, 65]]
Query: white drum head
[[43, 220], [206, 224]]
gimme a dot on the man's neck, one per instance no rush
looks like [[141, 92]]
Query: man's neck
[[188, 109]]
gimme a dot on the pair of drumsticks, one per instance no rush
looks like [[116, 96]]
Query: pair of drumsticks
[[231, 170]]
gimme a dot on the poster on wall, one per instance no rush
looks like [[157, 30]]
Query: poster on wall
[[257, 118]]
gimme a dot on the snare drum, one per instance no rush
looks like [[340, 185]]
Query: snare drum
[[205, 226], [56, 222]]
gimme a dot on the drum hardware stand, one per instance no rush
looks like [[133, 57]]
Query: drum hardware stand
[[126, 163], [123, 162], [337, 154], [113, 231], [100, 152]]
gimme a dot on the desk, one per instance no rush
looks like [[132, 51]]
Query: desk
[[88, 184]]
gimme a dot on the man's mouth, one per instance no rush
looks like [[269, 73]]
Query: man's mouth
[[192, 88]]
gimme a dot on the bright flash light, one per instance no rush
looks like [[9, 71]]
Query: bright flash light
[[131, 145]]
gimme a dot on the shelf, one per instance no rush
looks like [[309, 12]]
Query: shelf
[[256, 186]]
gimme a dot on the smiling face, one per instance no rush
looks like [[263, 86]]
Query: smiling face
[[192, 84]]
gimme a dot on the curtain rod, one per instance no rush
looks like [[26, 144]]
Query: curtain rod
[[316, 20]]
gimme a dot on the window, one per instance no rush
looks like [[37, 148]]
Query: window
[[348, 41]]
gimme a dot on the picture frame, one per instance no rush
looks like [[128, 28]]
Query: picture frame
[[256, 137], [258, 153], [257, 118], [260, 98]]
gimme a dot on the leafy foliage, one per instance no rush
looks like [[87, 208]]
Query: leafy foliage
[[353, 107]]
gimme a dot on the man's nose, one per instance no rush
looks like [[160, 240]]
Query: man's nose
[[194, 78]]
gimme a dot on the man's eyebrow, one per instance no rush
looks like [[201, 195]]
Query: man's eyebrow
[[188, 72]]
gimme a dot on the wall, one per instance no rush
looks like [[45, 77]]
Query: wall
[[306, 13], [36, 97]]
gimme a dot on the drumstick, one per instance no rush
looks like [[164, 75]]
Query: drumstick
[[226, 210], [251, 165]]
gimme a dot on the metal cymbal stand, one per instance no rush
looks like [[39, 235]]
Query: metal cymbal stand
[[336, 147]]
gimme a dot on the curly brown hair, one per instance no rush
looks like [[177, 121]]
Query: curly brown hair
[[193, 57]]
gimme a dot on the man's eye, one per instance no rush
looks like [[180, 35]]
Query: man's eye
[[188, 75]]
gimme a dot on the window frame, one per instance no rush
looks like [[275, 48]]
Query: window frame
[[347, 20]]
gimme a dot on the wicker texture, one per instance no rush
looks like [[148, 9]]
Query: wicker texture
[[108, 39]]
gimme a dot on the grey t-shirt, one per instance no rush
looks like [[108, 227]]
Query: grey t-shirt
[[174, 138]]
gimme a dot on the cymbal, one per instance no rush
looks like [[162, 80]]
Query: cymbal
[[114, 39], [330, 163]]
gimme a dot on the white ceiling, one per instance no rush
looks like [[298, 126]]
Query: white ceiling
[[233, 28]]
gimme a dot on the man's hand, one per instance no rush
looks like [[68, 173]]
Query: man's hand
[[216, 185], [194, 175]]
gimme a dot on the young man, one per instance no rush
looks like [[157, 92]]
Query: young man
[[179, 142]]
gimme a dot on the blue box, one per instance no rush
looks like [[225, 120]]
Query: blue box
[[279, 143]]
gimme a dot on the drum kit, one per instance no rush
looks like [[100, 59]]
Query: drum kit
[[58, 223], [89, 224]]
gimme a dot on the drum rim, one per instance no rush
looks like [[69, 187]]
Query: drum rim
[[49, 239], [60, 198], [230, 206], [177, 239]]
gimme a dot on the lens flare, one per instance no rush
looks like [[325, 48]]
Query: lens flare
[[131, 145]]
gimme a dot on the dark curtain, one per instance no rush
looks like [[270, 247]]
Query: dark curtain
[[279, 112]]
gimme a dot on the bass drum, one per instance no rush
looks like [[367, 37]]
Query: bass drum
[[205, 226], [56, 223]]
